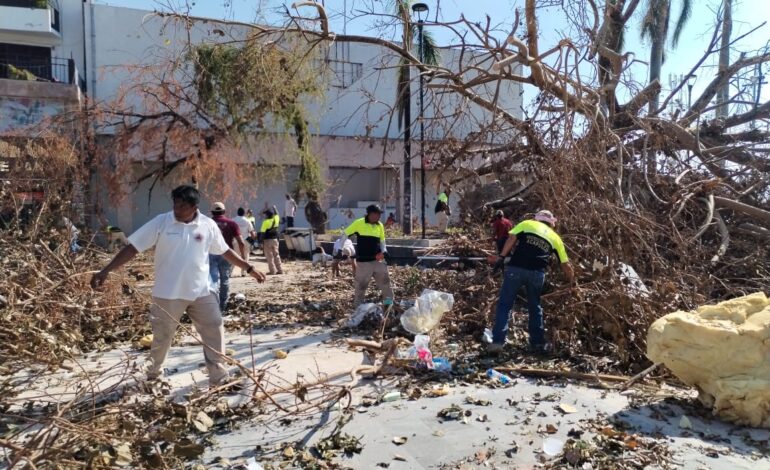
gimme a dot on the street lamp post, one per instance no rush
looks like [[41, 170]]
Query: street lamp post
[[419, 9]]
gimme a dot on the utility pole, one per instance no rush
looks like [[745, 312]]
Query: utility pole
[[419, 9]]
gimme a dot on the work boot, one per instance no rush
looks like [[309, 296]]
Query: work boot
[[495, 348]]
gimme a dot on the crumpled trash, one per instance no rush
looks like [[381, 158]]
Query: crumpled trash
[[633, 282], [419, 351], [487, 336], [722, 350], [363, 312], [442, 364], [427, 311]]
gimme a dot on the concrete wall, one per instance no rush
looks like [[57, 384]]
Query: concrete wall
[[25, 104]]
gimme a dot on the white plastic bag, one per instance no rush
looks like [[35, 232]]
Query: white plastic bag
[[363, 312], [427, 311]]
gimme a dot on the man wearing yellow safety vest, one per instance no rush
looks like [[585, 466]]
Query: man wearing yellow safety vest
[[528, 252], [269, 236], [370, 254], [442, 210]]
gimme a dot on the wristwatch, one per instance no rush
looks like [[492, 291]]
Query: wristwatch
[[250, 270]]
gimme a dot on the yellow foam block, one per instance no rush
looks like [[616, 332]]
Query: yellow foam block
[[724, 351]]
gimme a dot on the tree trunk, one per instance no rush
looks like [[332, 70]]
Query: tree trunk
[[723, 95], [656, 64]]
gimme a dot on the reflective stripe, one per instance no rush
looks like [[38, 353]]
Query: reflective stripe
[[371, 238], [546, 233]]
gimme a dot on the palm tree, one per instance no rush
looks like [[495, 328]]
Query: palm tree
[[655, 26], [430, 56], [723, 95]]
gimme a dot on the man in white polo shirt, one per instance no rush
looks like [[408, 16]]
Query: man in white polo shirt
[[183, 239]]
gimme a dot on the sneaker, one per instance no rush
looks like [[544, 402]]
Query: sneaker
[[495, 348]]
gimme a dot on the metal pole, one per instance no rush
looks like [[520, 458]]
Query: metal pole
[[422, 134], [407, 196]]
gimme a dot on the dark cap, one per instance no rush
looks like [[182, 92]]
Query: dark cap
[[373, 208]]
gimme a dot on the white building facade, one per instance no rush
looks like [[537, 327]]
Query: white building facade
[[355, 134]]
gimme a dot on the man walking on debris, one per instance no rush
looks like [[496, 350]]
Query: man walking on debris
[[442, 210], [219, 268], [183, 240], [528, 252], [269, 235], [370, 257], [248, 232], [500, 228]]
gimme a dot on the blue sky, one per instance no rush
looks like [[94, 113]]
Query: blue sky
[[747, 15]]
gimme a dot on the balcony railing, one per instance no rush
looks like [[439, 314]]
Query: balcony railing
[[57, 70]]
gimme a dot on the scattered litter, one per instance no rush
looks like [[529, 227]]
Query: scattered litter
[[239, 297], [685, 422], [372, 312], [566, 408], [482, 418], [552, 446], [477, 401], [499, 377], [391, 396], [487, 336], [145, 342], [280, 354], [551, 429], [453, 412], [400, 458], [252, 464], [399, 440], [439, 391], [441, 364], [427, 311]]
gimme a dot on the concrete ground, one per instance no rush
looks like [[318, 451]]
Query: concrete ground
[[507, 432]]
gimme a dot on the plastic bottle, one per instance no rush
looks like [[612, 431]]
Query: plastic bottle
[[499, 377]]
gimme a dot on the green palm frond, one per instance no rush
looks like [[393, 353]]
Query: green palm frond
[[430, 50], [656, 19], [684, 15]]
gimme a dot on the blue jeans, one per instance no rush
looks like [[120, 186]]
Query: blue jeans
[[515, 278], [220, 270]]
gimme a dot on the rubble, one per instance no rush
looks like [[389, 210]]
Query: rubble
[[722, 350]]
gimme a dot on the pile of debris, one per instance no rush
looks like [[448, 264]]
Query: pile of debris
[[49, 313]]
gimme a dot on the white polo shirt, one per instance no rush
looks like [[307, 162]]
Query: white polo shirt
[[245, 225], [181, 254]]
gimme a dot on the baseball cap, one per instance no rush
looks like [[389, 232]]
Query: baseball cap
[[545, 216], [218, 207], [373, 208], [499, 213]]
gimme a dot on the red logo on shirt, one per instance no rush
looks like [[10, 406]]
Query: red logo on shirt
[[198, 237]]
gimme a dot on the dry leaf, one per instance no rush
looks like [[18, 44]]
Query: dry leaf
[[202, 422], [280, 354], [399, 440], [551, 429]]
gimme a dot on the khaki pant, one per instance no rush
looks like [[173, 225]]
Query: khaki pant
[[442, 219], [205, 315], [364, 272], [272, 256]]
